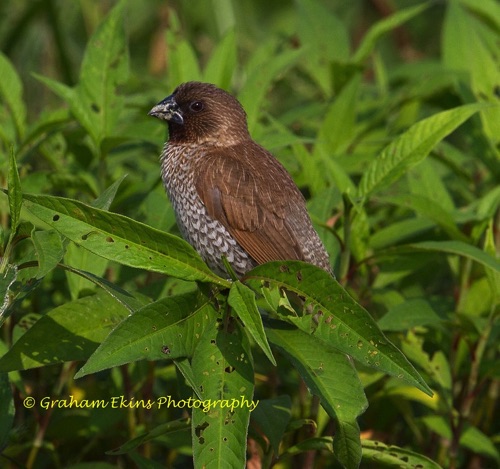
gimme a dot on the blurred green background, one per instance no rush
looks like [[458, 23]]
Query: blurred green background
[[327, 85]]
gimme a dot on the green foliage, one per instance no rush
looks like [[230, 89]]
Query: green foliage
[[155, 361]]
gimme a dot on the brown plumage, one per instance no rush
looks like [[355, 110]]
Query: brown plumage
[[231, 197]]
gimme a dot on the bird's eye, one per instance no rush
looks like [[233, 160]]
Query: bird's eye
[[196, 106]]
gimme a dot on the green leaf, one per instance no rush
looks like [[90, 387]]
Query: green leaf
[[75, 329], [83, 260], [49, 250], [412, 147], [104, 67], [93, 101], [222, 63], [399, 231], [414, 312], [182, 61], [490, 249], [183, 365], [129, 301], [105, 200], [488, 9], [223, 370], [384, 26], [71, 97], [271, 417], [471, 46], [330, 375], [335, 318], [320, 443], [242, 300], [436, 365], [331, 169], [478, 442], [15, 195], [327, 40], [312, 171], [11, 91], [471, 437], [337, 129], [7, 409], [257, 83], [460, 249], [121, 239], [325, 32], [429, 208], [165, 329], [425, 179], [181, 425], [225, 17], [382, 455]]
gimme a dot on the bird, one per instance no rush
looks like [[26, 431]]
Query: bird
[[231, 197]]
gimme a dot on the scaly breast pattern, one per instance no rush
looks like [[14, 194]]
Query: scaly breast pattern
[[208, 236]]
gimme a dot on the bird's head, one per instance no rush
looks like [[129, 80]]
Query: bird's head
[[201, 112]]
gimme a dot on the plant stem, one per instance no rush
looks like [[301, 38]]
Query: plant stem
[[346, 252]]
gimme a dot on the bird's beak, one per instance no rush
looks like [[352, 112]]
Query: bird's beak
[[169, 110]]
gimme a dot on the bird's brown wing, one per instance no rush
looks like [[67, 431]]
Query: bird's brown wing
[[254, 198]]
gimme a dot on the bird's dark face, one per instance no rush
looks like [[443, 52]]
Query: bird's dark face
[[201, 112]]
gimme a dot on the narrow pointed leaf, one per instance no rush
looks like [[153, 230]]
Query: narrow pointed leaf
[[168, 328], [184, 367], [105, 65], [11, 91], [181, 425], [94, 101], [428, 207], [121, 239], [412, 147], [257, 83], [83, 260], [223, 371], [384, 26], [78, 107], [382, 455], [330, 375], [49, 250], [242, 300], [336, 318], [222, 63], [338, 126], [461, 249], [75, 330], [129, 301], [105, 200], [272, 417]]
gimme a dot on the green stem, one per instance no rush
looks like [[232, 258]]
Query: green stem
[[470, 391], [345, 255]]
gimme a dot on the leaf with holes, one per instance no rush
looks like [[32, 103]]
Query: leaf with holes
[[121, 239], [334, 317], [223, 371], [330, 375], [167, 328], [105, 65], [75, 330]]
